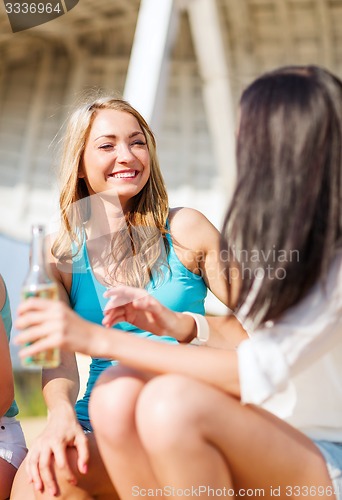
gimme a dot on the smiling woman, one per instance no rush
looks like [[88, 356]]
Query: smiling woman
[[117, 228], [104, 143]]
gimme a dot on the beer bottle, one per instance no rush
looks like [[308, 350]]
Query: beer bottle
[[38, 283]]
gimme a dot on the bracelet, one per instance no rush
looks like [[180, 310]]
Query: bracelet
[[203, 330]]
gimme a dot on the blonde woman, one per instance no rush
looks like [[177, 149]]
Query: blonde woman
[[117, 228]]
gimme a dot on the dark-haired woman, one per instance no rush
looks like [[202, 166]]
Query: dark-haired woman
[[263, 419]]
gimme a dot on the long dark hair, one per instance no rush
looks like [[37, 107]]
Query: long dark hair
[[285, 219]]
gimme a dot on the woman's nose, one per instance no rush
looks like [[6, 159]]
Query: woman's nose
[[124, 153]]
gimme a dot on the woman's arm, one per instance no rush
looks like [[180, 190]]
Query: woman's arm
[[61, 385], [197, 244], [50, 324], [137, 307], [6, 376]]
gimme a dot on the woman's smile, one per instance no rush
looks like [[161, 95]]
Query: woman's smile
[[125, 175]]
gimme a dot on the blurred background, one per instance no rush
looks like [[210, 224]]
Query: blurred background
[[181, 63]]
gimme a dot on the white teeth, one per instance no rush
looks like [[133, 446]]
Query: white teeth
[[124, 175]]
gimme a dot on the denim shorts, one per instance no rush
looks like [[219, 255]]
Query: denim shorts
[[332, 453], [12, 442]]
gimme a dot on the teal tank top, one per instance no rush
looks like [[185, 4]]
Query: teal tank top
[[5, 314], [179, 290]]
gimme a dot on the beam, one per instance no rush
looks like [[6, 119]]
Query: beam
[[241, 24], [214, 71], [286, 32], [150, 57], [326, 34]]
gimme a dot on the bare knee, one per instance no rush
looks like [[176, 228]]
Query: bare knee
[[167, 411], [24, 488], [112, 404]]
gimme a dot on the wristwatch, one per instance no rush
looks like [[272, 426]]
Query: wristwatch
[[203, 330]]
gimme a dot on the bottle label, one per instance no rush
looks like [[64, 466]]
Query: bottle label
[[51, 357]]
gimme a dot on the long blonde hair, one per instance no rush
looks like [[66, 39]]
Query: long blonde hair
[[145, 220]]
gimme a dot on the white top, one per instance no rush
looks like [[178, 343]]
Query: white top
[[293, 367]]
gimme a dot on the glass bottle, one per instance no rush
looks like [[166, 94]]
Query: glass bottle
[[38, 283]]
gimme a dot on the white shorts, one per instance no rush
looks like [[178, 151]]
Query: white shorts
[[12, 441]]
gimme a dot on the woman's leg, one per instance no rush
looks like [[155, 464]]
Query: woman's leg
[[94, 484], [7, 473], [112, 411], [197, 436]]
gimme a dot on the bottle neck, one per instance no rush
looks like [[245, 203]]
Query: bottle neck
[[37, 258], [37, 274]]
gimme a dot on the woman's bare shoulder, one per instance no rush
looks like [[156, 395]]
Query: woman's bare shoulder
[[185, 215], [190, 227]]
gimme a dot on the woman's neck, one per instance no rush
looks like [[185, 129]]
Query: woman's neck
[[107, 215]]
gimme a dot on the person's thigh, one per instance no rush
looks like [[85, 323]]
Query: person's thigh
[[7, 473], [96, 481], [94, 484], [261, 452]]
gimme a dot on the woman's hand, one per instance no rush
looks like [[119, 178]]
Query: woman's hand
[[137, 307], [47, 324], [60, 433]]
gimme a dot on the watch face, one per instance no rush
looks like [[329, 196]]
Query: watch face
[[26, 14]]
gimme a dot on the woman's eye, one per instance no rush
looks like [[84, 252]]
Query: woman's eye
[[139, 143], [106, 146]]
